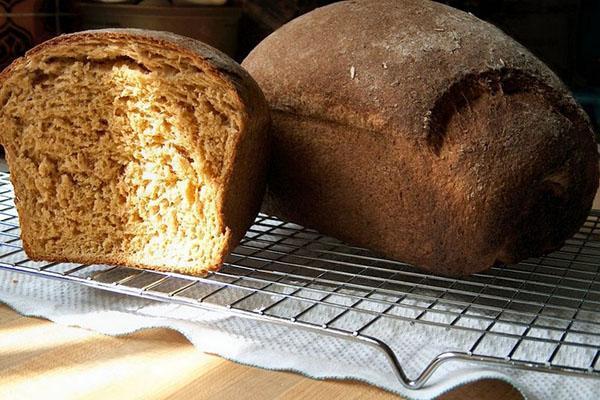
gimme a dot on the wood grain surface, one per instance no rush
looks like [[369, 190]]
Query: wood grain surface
[[40, 359]]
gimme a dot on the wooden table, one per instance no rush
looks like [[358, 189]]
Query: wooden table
[[40, 359]]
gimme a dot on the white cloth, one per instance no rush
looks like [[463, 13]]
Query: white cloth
[[278, 347]]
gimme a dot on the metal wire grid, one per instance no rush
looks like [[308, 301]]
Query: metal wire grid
[[545, 310]]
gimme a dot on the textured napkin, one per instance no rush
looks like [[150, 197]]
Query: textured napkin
[[277, 347]]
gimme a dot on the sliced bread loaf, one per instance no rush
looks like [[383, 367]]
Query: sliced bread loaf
[[133, 147]]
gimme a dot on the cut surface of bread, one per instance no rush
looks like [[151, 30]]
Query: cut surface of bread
[[133, 147]]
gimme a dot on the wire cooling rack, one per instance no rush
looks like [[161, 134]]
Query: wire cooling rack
[[544, 311]]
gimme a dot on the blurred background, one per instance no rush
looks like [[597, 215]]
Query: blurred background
[[563, 33]]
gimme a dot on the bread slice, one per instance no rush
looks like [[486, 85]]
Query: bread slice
[[132, 147]]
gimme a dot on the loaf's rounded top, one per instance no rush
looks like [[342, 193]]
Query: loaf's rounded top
[[381, 65]]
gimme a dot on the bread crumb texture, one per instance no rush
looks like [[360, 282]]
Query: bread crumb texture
[[118, 150]]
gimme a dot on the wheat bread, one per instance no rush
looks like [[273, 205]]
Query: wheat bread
[[423, 133], [133, 147]]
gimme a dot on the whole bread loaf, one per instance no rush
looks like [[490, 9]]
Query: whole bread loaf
[[423, 133], [133, 147]]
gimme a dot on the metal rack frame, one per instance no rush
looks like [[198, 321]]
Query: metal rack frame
[[286, 274]]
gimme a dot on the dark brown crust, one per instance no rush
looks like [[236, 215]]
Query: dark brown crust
[[239, 205], [423, 133]]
